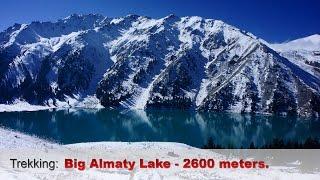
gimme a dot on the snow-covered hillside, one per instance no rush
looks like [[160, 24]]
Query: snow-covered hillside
[[309, 43], [304, 52], [140, 62]]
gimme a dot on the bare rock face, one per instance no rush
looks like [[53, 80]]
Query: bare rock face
[[137, 62]]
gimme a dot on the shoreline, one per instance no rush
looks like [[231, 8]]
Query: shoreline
[[20, 146]]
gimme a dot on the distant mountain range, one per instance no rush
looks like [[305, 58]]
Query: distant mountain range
[[304, 52], [138, 62]]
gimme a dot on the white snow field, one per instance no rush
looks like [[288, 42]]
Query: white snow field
[[304, 52], [90, 102], [309, 43], [21, 146]]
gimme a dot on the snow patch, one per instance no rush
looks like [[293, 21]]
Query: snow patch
[[20, 145]]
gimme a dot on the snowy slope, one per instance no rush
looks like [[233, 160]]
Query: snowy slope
[[206, 65], [139, 62], [309, 43], [305, 52]]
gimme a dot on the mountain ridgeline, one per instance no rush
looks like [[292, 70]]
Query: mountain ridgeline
[[138, 62]]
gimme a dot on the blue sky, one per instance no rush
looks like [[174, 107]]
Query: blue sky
[[272, 20]]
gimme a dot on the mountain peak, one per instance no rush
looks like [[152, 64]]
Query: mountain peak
[[314, 39], [75, 15], [132, 16], [309, 43]]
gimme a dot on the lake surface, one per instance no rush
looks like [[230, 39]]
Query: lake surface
[[192, 128]]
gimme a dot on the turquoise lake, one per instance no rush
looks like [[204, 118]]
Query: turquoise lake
[[192, 128]]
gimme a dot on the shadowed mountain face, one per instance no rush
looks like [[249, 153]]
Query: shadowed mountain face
[[137, 62]]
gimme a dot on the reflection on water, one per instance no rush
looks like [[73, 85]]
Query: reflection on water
[[192, 128]]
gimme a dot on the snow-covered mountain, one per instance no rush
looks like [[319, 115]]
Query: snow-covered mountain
[[304, 52], [139, 62], [309, 43]]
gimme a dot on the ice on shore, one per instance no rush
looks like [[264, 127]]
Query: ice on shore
[[90, 102]]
